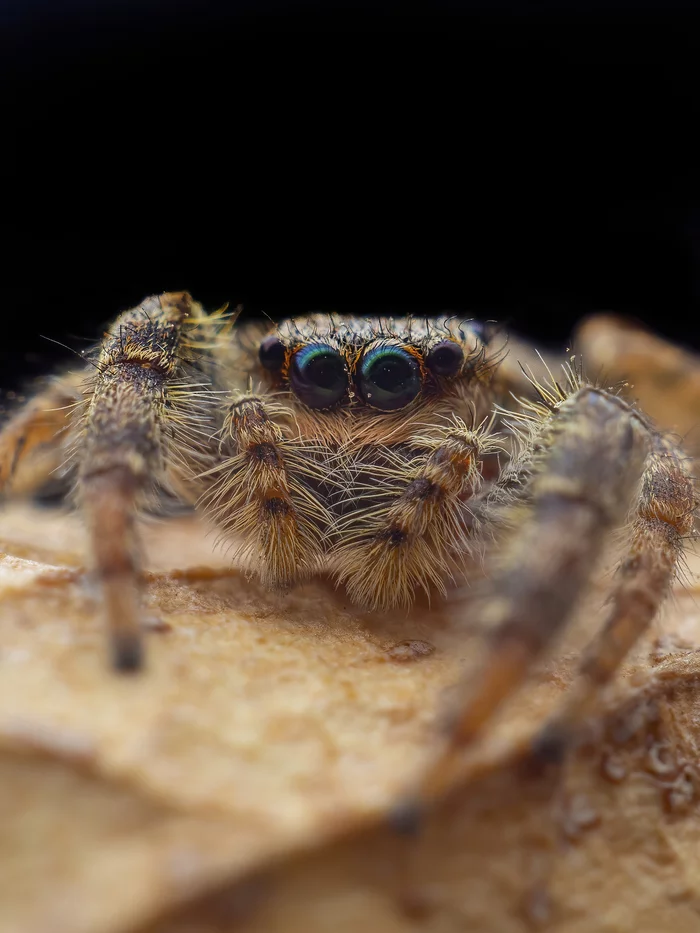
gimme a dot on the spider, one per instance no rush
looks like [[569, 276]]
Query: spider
[[390, 454]]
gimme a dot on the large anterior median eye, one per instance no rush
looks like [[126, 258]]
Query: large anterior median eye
[[318, 375], [389, 377]]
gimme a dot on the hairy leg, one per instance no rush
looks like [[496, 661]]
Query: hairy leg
[[32, 439], [142, 415], [121, 452], [664, 516], [414, 524], [260, 492], [593, 448]]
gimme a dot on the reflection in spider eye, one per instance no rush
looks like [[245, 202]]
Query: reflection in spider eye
[[318, 375], [271, 353], [445, 358], [389, 377]]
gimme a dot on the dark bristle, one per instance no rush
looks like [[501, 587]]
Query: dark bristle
[[127, 654], [393, 536], [421, 488], [277, 506], [265, 453]]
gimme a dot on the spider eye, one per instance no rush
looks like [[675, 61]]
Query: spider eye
[[318, 375], [271, 353], [389, 378], [445, 358]]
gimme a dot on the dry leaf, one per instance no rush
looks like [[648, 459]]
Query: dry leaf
[[243, 782]]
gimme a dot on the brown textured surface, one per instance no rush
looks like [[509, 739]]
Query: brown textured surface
[[242, 782], [662, 377]]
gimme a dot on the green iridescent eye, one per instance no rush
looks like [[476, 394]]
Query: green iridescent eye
[[389, 377], [318, 375]]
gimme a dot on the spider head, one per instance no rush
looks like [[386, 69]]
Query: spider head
[[329, 362]]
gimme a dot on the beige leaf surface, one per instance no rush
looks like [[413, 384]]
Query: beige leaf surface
[[243, 781]]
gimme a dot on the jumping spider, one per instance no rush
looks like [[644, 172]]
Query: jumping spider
[[385, 453]]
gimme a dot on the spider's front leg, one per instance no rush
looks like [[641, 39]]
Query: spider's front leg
[[593, 452], [261, 491], [664, 516], [121, 452], [414, 523], [111, 427]]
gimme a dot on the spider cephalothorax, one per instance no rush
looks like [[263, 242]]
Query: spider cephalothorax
[[385, 453]]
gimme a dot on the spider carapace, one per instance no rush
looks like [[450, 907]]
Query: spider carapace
[[386, 453]]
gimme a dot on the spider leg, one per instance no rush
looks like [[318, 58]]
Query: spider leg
[[663, 517], [31, 447], [414, 520], [593, 449], [260, 491], [120, 454]]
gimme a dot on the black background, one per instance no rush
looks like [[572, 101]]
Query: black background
[[530, 162]]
